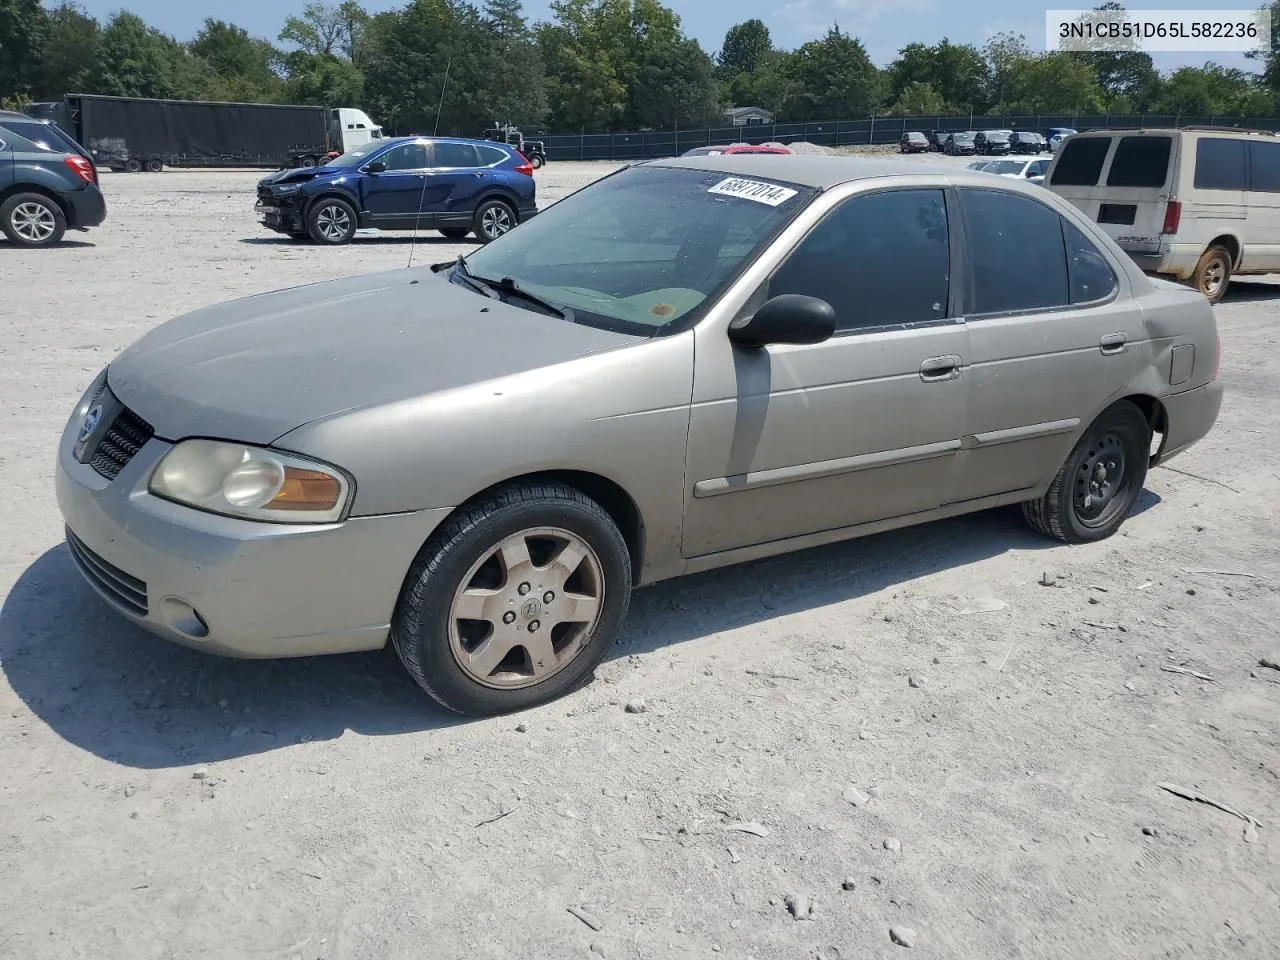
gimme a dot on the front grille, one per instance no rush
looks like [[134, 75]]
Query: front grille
[[118, 586], [123, 439]]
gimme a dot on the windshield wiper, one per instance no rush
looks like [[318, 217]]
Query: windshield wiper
[[476, 284], [507, 285]]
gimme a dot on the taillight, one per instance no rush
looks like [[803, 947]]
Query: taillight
[[525, 166], [1172, 217], [82, 168]]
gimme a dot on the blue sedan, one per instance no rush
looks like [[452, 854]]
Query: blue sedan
[[406, 183]]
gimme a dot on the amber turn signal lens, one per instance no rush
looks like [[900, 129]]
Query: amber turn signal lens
[[306, 490]]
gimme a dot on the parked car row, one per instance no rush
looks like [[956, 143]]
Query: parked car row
[[989, 142]]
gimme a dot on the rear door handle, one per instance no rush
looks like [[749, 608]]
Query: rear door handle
[[937, 369], [1112, 344]]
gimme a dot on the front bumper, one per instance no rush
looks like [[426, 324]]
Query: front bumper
[[1190, 416], [260, 590], [279, 214]]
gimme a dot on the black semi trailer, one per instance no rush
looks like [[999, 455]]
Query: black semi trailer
[[132, 134]]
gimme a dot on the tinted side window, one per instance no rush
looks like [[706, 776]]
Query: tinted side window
[[1016, 249], [879, 259], [453, 155], [490, 155], [1091, 276], [39, 134], [1264, 166], [1080, 164], [1220, 164], [407, 156], [1140, 162]]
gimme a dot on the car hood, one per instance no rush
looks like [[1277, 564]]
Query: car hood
[[300, 175], [253, 369]]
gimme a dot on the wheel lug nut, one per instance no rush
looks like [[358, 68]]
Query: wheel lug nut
[[533, 626], [509, 617], [524, 588], [548, 597]]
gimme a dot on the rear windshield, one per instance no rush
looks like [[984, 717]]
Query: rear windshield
[[1140, 162], [1220, 164], [1080, 163], [43, 135]]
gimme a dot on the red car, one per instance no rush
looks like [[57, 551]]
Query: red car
[[735, 148]]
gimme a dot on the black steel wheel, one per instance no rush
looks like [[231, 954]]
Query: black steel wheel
[[1095, 490]]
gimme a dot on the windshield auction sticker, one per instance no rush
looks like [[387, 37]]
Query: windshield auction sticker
[[760, 192]]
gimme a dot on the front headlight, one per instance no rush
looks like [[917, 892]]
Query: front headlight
[[251, 482], [286, 189]]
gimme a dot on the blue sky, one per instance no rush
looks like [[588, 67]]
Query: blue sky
[[884, 25]]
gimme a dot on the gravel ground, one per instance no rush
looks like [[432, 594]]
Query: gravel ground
[[955, 732]]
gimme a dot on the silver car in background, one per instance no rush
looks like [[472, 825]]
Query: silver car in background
[[688, 364]]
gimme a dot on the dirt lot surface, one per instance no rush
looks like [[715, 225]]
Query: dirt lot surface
[[959, 729]]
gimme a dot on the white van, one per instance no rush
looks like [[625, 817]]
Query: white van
[[1199, 204]]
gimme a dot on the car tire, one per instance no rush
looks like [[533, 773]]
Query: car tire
[[455, 233], [1212, 274], [32, 220], [155, 166], [462, 570], [331, 221], [493, 218], [133, 165], [537, 161], [1086, 501]]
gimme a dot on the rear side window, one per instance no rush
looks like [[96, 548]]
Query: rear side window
[[41, 134], [1088, 271], [1140, 162], [1017, 254], [454, 155], [880, 259], [1264, 166], [1220, 164], [490, 155], [1080, 164]]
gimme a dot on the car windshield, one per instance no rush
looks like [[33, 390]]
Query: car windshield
[[1005, 166], [356, 155], [642, 249]]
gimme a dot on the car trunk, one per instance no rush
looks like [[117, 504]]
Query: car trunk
[[1121, 182]]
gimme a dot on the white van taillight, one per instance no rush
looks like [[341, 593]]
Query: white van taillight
[[1172, 217]]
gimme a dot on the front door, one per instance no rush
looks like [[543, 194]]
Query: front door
[[792, 440], [393, 197], [1051, 343]]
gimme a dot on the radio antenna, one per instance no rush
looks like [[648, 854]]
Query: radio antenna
[[443, 87], [422, 199]]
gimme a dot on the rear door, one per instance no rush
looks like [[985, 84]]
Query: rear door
[[1262, 249], [454, 178], [1123, 183], [1217, 203], [1052, 336]]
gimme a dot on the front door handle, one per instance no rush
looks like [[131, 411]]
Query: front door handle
[[938, 369], [1112, 344]]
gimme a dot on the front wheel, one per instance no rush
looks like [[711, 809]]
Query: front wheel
[[133, 165], [513, 602], [1213, 273], [32, 220], [1094, 492], [537, 161], [331, 221]]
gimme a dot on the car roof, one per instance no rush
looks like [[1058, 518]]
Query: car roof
[[807, 171], [15, 115]]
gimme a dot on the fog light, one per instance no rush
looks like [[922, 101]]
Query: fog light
[[184, 618]]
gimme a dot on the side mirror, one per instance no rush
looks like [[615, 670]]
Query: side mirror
[[787, 318], [376, 167]]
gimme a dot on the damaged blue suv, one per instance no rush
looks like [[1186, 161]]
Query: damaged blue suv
[[451, 185]]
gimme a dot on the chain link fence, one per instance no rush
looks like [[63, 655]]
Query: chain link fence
[[652, 144]]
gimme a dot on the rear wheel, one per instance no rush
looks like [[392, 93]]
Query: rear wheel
[[331, 221], [154, 166], [1213, 273], [1095, 490], [132, 165], [514, 601], [537, 161], [493, 219], [455, 233], [32, 220]]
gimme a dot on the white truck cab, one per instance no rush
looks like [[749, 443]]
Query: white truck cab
[[350, 128]]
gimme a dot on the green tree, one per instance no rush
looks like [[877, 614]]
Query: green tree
[[1128, 78], [676, 87], [514, 87], [1053, 83], [239, 65], [744, 47], [1006, 54], [1216, 90], [958, 73], [69, 53], [919, 100], [137, 61], [1270, 55], [22, 25], [834, 78], [328, 29]]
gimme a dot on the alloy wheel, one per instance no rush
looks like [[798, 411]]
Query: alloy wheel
[[333, 222], [496, 221], [526, 609], [34, 222]]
